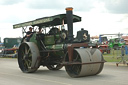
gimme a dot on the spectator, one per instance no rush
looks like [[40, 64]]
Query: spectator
[[122, 51]]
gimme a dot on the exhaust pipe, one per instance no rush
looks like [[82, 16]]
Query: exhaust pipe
[[69, 16]]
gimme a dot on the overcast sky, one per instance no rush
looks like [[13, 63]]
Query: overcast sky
[[98, 16]]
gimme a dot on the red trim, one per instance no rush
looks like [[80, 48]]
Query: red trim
[[11, 49]]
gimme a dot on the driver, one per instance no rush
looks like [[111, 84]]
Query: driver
[[29, 34]]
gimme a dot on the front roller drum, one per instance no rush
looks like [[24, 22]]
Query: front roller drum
[[84, 56], [28, 57]]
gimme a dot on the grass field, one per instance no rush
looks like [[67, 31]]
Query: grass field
[[114, 56]]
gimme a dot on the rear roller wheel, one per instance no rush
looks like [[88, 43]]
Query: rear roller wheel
[[25, 58], [54, 67]]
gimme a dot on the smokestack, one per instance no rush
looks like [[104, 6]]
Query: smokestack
[[69, 16]]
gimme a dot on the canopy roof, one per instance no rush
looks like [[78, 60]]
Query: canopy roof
[[47, 21]]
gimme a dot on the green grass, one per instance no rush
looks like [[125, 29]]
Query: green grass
[[114, 56], [111, 59]]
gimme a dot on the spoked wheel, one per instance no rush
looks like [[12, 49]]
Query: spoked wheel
[[25, 58], [75, 69], [54, 67]]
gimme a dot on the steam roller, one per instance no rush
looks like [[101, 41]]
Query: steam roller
[[57, 47]]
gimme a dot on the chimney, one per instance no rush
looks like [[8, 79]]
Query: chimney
[[69, 16]]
